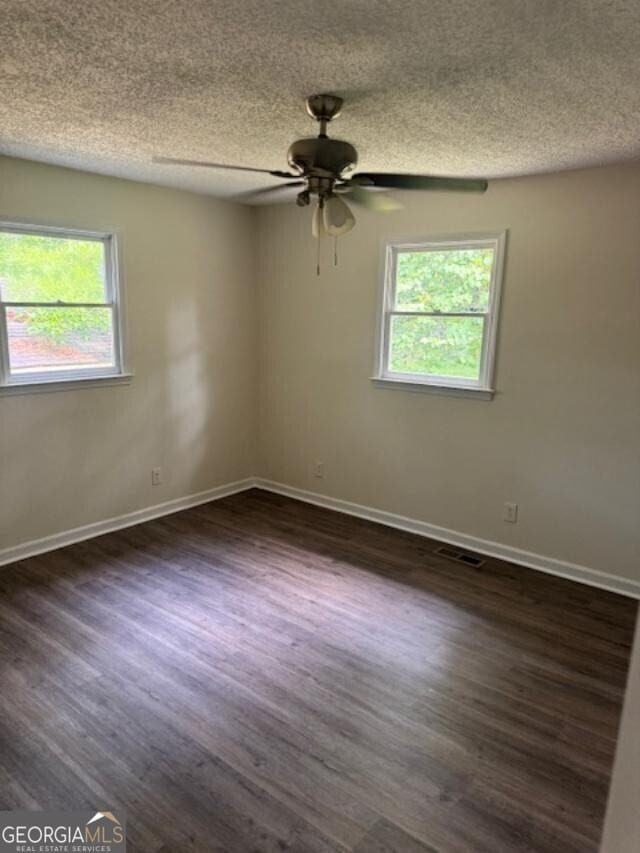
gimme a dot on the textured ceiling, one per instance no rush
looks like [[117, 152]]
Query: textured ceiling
[[460, 87]]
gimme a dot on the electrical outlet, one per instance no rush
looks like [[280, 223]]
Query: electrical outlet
[[318, 469], [156, 476], [510, 513]]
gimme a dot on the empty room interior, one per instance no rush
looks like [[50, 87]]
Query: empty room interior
[[319, 426]]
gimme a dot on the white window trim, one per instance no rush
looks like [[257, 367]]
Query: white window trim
[[481, 388], [67, 379]]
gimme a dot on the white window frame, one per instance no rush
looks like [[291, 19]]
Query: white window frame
[[483, 386], [76, 377]]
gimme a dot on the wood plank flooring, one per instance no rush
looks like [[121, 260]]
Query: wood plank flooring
[[257, 675]]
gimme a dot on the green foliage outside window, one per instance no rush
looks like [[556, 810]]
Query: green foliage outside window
[[50, 269], [442, 281]]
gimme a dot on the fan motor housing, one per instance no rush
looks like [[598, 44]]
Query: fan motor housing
[[331, 155]]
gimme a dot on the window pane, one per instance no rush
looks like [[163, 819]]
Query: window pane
[[36, 268], [448, 280], [54, 339], [436, 346]]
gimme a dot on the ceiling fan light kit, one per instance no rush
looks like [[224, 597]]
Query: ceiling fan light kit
[[324, 166], [337, 216]]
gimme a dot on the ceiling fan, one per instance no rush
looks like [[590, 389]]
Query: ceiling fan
[[322, 167]]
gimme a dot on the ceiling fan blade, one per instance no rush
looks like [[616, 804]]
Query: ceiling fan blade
[[173, 162], [379, 202], [420, 182], [277, 191]]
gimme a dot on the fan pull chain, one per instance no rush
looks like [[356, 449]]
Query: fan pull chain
[[318, 255], [335, 251]]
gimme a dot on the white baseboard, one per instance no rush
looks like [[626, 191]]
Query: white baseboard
[[97, 528], [550, 565]]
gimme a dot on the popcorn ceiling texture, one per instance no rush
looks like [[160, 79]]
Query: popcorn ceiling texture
[[460, 87]]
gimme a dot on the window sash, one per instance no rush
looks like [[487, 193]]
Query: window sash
[[58, 304], [396, 313], [432, 378], [112, 301], [495, 241]]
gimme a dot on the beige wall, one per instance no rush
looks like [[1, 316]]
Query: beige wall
[[622, 823], [561, 437], [70, 458]]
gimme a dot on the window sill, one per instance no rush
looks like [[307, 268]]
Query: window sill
[[44, 386], [433, 388]]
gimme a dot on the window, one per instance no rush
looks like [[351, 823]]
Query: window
[[59, 312], [440, 310]]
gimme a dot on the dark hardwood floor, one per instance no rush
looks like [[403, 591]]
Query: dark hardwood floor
[[258, 675]]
